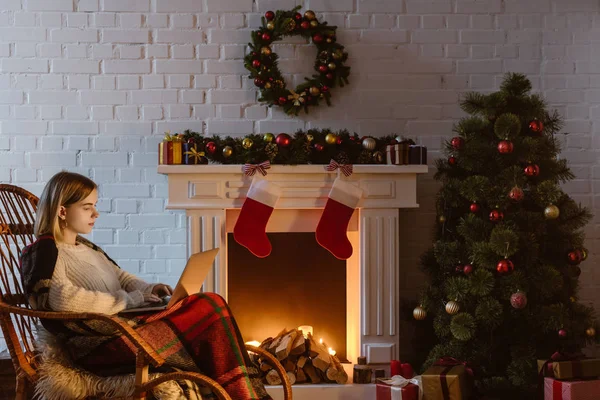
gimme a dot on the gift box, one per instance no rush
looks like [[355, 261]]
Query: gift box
[[395, 389], [191, 155], [569, 369], [393, 154], [417, 155], [445, 383], [571, 390], [170, 150]]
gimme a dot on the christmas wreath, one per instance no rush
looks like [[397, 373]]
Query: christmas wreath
[[262, 61]]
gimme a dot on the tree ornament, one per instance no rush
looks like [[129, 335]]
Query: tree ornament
[[268, 137], [314, 23], [328, 75], [562, 333], [259, 82], [442, 219], [516, 194], [505, 266], [532, 170], [339, 140], [378, 157], [332, 66], [283, 140], [467, 269], [324, 88], [474, 208], [452, 160], [590, 332], [419, 313], [331, 138], [255, 64], [270, 26], [319, 147], [496, 215], [291, 26], [282, 100], [457, 142], [574, 257], [505, 147], [573, 299], [536, 126], [269, 15], [459, 269], [323, 68], [266, 50], [268, 85], [310, 15], [518, 300], [266, 37], [211, 147], [305, 25], [297, 16], [314, 91], [452, 307], [584, 254], [369, 143], [309, 137], [317, 38], [551, 212], [227, 151], [247, 143]]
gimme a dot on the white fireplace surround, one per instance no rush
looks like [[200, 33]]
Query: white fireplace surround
[[212, 196]]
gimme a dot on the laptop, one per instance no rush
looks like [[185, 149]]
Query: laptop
[[195, 272]]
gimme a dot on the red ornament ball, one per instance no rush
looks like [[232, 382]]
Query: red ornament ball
[[297, 16], [474, 208], [283, 140], [255, 63], [496, 216], [339, 140], [505, 147], [305, 25], [516, 194], [536, 126], [254, 54], [282, 100], [467, 269], [266, 37], [323, 68], [319, 147], [505, 266], [191, 141], [457, 143], [574, 257], [318, 38], [269, 15], [259, 82], [532, 170], [329, 75], [562, 333], [452, 160], [324, 88], [211, 147], [518, 300]]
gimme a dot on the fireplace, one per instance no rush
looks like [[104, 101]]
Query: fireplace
[[212, 196]]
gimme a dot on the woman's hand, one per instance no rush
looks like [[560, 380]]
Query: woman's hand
[[151, 298], [162, 290]]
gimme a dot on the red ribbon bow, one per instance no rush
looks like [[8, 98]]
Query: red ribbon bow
[[250, 169], [345, 168], [453, 362]]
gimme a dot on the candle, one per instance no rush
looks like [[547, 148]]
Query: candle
[[395, 367]]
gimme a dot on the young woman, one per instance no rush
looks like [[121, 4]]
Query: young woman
[[62, 271]]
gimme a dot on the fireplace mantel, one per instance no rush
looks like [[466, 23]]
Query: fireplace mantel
[[213, 194]]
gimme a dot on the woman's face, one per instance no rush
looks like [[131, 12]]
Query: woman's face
[[81, 216]]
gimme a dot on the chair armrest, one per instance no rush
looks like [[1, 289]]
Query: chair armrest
[[114, 321]]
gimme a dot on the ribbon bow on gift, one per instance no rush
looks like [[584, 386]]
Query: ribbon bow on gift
[[400, 381], [193, 153], [168, 137], [251, 169], [345, 168], [298, 99], [453, 362]]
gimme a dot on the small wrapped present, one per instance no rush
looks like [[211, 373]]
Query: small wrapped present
[[397, 154], [191, 155], [417, 155], [399, 388], [567, 366], [571, 390], [446, 380], [170, 150], [177, 149]]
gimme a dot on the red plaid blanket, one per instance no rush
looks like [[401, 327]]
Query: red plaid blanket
[[198, 334]]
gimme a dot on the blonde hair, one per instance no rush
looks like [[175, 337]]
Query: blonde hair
[[63, 189]]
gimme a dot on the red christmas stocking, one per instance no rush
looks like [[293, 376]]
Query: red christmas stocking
[[249, 230], [331, 231]]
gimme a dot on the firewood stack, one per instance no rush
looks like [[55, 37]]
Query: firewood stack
[[304, 359]]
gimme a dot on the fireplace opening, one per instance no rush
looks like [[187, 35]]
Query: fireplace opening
[[300, 283]]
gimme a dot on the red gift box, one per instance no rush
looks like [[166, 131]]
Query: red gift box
[[571, 390], [398, 388]]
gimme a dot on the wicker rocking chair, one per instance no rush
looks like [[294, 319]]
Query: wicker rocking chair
[[18, 319]]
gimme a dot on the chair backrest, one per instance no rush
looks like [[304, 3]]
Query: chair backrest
[[17, 218]]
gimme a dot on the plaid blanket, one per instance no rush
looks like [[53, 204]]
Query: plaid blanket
[[198, 334]]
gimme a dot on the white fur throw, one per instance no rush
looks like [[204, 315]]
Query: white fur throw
[[60, 379]]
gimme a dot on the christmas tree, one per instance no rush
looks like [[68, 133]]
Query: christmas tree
[[504, 265]]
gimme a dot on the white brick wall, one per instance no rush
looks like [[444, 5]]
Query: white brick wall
[[90, 86]]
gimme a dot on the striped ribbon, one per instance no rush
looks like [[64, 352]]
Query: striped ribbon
[[251, 169], [345, 168]]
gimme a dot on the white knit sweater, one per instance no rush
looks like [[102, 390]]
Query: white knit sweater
[[84, 280]]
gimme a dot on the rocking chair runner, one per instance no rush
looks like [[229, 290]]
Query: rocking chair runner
[[17, 318]]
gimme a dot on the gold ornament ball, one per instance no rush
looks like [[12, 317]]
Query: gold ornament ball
[[551, 212], [369, 143], [247, 143], [266, 50], [309, 138], [591, 332], [314, 90], [419, 313], [378, 156], [314, 23], [270, 25], [227, 151], [452, 307], [442, 219], [331, 138], [309, 15], [268, 85], [268, 137], [328, 40], [573, 299], [331, 66]]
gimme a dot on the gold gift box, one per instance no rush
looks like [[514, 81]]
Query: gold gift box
[[585, 368], [452, 386]]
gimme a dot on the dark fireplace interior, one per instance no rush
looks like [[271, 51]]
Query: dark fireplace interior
[[300, 283]]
